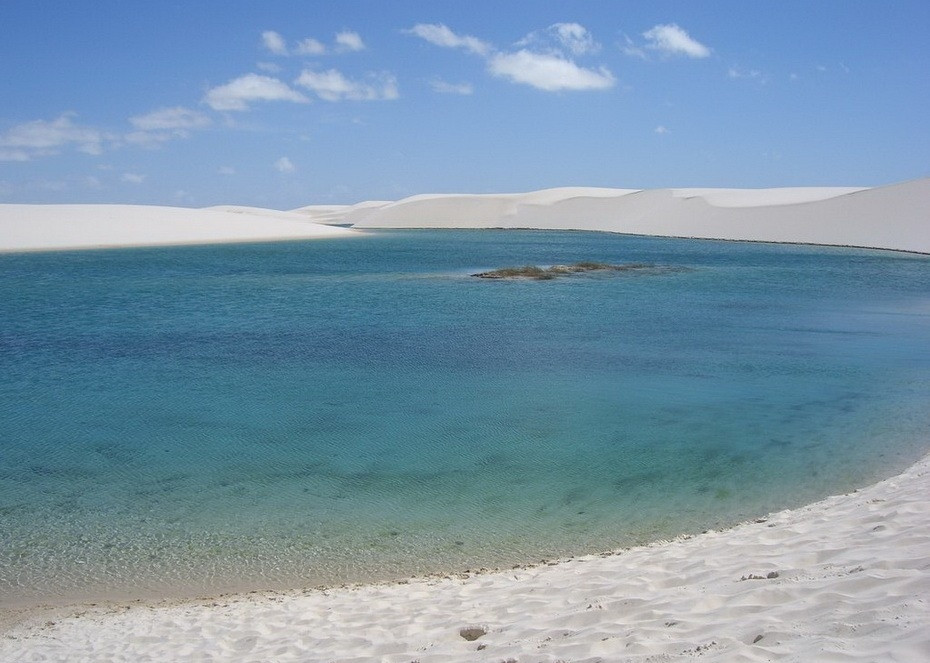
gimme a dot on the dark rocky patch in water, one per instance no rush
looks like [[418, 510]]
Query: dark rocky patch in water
[[537, 273]]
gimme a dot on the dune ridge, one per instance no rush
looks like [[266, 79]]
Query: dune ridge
[[60, 227], [889, 217]]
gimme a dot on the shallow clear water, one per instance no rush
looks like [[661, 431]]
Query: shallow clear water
[[177, 421]]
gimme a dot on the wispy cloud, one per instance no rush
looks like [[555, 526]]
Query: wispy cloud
[[132, 178], [310, 46], [443, 87], [13, 155], [38, 138], [548, 72], [274, 42], [346, 41], [739, 72], [575, 38], [551, 70], [349, 41], [672, 40], [333, 86], [236, 94], [176, 117], [440, 35], [284, 165], [163, 125], [630, 48], [661, 130]]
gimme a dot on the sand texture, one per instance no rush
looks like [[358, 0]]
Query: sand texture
[[845, 579], [55, 227], [891, 217]]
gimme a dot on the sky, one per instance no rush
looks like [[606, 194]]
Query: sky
[[282, 103]]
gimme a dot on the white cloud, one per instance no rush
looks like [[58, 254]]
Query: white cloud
[[451, 88], [13, 155], [41, 138], [226, 170], [333, 86], [274, 42], [548, 72], [551, 70], [132, 178], [310, 46], [349, 41], [672, 40], [177, 117], [575, 38], [439, 35], [268, 67], [284, 165], [661, 130], [236, 94]]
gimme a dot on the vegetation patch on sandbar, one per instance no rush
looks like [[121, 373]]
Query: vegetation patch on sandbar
[[546, 273]]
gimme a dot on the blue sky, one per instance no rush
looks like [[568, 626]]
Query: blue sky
[[285, 103]]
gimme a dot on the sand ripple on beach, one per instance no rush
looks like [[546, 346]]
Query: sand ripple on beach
[[846, 579]]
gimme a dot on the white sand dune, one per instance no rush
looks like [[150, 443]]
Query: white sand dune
[[53, 227], [891, 217], [845, 579]]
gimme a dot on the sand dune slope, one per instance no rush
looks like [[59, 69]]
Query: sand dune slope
[[51, 227], [845, 579], [891, 217]]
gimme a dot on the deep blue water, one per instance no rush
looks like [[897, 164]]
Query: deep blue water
[[194, 419]]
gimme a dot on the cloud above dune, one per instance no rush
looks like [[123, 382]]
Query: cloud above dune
[[349, 41], [571, 38], [310, 46], [346, 41], [670, 39], [284, 165], [539, 64], [332, 85], [575, 38], [444, 87], [440, 35], [548, 72], [38, 138], [274, 42], [239, 92], [177, 117]]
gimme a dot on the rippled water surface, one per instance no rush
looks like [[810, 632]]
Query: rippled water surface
[[177, 421]]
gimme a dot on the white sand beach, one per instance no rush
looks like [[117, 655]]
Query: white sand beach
[[845, 579], [57, 227]]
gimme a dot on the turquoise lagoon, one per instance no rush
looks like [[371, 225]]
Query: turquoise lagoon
[[190, 420]]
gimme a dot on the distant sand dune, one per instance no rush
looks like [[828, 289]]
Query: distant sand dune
[[52, 227], [891, 217]]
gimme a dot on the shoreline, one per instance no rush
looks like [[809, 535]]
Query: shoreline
[[847, 568]]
